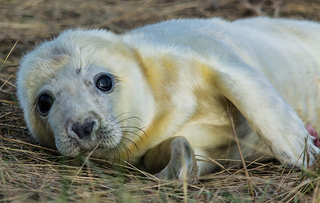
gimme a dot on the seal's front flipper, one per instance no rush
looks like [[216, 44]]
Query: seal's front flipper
[[172, 159]]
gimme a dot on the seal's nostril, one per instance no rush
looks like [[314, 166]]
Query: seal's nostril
[[83, 130], [88, 126]]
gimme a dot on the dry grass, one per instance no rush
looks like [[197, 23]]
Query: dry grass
[[31, 173]]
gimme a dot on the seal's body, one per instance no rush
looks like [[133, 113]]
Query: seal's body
[[157, 96]]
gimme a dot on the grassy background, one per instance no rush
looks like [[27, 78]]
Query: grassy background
[[31, 173]]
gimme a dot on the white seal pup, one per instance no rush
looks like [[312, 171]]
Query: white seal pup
[[157, 96]]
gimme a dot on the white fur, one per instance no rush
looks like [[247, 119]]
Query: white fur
[[177, 77]]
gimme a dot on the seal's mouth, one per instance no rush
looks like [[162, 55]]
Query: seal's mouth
[[88, 147], [88, 151]]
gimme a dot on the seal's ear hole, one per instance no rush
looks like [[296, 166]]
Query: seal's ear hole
[[44, 103], [104, 82]]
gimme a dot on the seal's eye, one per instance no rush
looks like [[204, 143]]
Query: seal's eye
[[45, 102], [105, 83]]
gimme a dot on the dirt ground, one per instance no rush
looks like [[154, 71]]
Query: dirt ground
[[32, 173]]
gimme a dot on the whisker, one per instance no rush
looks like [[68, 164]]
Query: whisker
[[139, 129], [92, 64], [118, 116], [90, 59], [128, 119], [114, 156], [135, 134], [80, 65], [118, 152], [128, 140], [126, 149]]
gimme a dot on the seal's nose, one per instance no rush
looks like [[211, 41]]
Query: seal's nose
[[83, 130]]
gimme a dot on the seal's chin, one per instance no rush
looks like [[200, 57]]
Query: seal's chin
[[67, 146]]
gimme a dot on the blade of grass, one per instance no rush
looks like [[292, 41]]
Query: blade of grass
[[230, 109], [9, 54]]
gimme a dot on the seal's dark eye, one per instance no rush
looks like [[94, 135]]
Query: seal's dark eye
[[45, 102], [105, 83]]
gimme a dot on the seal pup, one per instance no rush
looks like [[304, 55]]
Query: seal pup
[[157, 96]]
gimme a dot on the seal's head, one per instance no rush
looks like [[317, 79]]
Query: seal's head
[[84, 90]]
